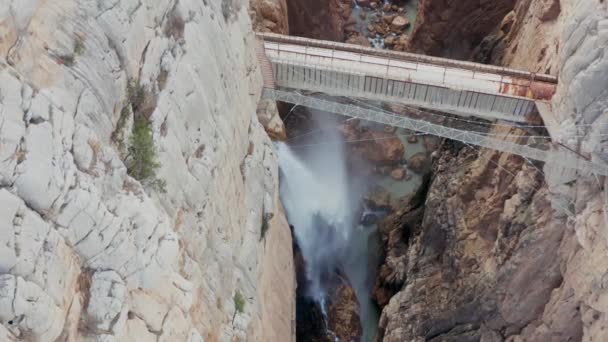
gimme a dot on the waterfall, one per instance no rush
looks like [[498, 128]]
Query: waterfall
[[316, 197], [322, 200]]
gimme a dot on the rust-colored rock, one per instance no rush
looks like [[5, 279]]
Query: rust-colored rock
[[343, 312], [399, 23], [378, 147], [378, 199], [388, 18], [319, 19], [398, 174], [269, 16], [454, 28], [550, 10], [358, 39], [381, 29], [418, 162], [483, 248]]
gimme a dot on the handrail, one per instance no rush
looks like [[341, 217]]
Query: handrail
[[405, 56]]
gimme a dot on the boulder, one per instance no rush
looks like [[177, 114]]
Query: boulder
[[373, 5], [550, 10], [431, 142], [268, 115], [358, 39], [343, 313], [378, 199], [386, 7], [418, 162], [400, 23], [378, 147], [398, 174], [401, 43], [389, 41], [381, 29], [363, 3], [388, 18]]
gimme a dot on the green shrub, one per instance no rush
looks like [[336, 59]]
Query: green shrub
[[141, 160], [67, 60], [265, 226], [79, 47], [239, 302]]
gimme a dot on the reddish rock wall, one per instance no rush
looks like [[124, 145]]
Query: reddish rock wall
[[453, 27], [321, 19]]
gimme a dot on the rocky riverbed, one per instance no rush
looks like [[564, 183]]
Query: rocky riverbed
[[381, 24]]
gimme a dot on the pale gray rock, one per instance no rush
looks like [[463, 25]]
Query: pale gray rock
[[88, 241]]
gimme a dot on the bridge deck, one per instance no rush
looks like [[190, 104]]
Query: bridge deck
[[458, 87], [294, 66]]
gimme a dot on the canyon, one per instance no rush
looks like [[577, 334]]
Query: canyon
[[344, 231]]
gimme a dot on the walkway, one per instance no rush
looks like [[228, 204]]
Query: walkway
[[293, 68]]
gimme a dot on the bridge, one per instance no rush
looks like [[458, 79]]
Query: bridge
[[296, 69]]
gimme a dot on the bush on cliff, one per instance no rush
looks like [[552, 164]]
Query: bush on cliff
[[141, 160]]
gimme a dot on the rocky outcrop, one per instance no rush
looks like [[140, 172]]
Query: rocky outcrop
[[90, 253], [269, 16], [320, 19], [507, 250], [472, 262], [338, 319], [395, 232], [268, 115], [343, 312], [378, 147], [418, 162], [454, 28]]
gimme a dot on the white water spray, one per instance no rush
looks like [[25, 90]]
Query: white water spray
[[316, 197], [321, 203]]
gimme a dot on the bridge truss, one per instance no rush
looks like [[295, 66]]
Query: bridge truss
[[552, 156]]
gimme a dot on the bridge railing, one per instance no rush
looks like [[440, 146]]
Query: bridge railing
[[406, 56], [410, 67]]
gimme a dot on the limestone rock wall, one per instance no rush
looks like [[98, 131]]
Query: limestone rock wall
[[88, 253], [505, 251]]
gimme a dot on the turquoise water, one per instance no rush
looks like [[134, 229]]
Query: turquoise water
[[366, 242]]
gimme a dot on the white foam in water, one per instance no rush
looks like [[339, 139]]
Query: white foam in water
[[321, 203], [318, 206]]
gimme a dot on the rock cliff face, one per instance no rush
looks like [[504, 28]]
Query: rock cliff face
[[453, 28], [89, 254], [269, 16], [321, 19], [506, 251]]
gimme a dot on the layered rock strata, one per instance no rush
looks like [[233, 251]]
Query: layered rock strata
[[88, 253], [506, 249]]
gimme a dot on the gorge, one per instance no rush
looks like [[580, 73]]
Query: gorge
[[148, 193]]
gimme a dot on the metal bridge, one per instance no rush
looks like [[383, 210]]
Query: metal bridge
[[294, 69]]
